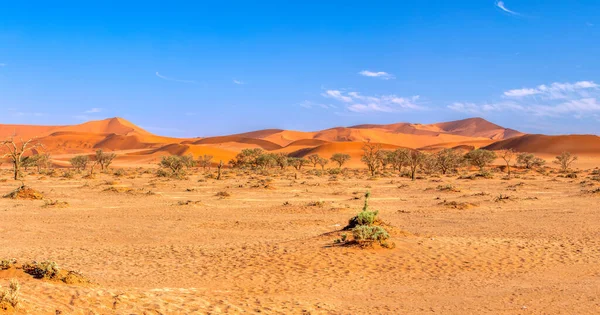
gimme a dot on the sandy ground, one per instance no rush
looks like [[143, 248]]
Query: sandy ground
[[536, 253]]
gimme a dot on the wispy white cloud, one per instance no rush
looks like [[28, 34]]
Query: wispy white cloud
[[2, 65], [555, 90], [379, 74], [555, 99], [502, 6], [358, 103], [310, 104], [337, 95], [238, 82], [173, 79], [93, 110]]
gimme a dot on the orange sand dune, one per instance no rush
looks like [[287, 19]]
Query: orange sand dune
[[116, 125], [354, 149], [25, 131], [111, 125], [70, 142], [264, 144], [471, 127], [477, 127], [474, 144], [579, 144], [185, 149]]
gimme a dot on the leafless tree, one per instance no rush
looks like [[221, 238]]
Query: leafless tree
[[16, 151], [565, 160], [507, 156]]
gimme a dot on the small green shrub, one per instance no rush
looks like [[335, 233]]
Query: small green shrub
[[367, 234]]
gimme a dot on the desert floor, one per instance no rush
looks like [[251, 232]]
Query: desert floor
[[537, 252]]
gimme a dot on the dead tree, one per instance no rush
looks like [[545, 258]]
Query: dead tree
[[16, 151]]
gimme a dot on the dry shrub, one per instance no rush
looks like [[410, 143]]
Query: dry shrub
[[49, 270], [24, 192], [458, 205], [449, 187], [223, 194], [7, 263], [10, 298], [119, 190], [319, 204], [55, 204], [188, 203]]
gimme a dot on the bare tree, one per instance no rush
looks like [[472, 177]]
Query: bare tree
[[565, 160], [507, 156], [16, 151]]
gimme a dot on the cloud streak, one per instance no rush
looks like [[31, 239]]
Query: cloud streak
[[555, 99], [93, 110], [173, 79], [380, 74], [502, 6], [358, 103], [238, 82]]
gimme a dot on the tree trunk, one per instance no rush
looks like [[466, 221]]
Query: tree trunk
[[16, 169]]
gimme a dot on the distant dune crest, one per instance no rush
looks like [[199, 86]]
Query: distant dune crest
[[118, 134]]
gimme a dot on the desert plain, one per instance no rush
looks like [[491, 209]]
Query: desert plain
[[259, 241]]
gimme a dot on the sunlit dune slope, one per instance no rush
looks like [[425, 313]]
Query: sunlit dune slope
[[578, 144]]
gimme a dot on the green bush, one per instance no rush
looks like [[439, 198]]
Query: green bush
[[367, 234]]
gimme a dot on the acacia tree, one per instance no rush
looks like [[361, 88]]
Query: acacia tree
[[400, 158], [322, 162], [414, 160], [104, 159], [80, 162], [429, 164], [16, 151], [372, 156], [205, 161], [529, 160], [297, 163], [43, 162], [480, 158], [564, 160], [281, 159], [314, 159], [340, 158], [447, 160], [175, 164], [507, 156]]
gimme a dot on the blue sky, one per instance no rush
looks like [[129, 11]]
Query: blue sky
[[188, 68]]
